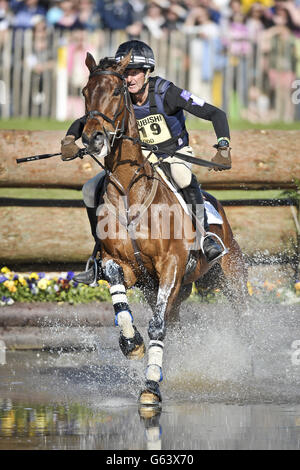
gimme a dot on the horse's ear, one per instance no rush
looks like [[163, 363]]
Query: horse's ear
[[124, 62], [90, 61]]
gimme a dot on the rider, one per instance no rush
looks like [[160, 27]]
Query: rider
[[159, 107]]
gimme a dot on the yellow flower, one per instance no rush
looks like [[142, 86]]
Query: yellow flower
[[10, 285], [250, 288], [34, 276], [103, 283], [43, 283], [5, 270], [22, 281], [297, 286], [194, 289]]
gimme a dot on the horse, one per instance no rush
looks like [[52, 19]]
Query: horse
[[156, 263]]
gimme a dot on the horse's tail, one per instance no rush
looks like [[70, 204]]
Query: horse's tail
[[234, 265]]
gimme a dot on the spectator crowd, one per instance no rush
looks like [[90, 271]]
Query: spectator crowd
[[245, 19], [237, 27]]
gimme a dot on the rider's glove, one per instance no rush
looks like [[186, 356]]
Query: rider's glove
[[223, 155], [68, 148]]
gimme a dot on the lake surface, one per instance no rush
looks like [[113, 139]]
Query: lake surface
[[220, 391]]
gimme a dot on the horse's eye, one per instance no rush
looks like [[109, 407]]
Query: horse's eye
[[117, 91]]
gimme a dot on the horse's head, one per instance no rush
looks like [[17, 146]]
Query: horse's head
[[107, 104]]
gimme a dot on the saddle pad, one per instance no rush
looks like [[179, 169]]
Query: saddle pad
[[213, 216]]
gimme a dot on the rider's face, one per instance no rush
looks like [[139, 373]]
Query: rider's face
[[135, 79]]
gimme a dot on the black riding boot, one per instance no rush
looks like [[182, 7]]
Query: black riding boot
[[193, 196], [88, 277]]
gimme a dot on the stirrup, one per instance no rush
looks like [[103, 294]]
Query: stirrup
[[211, 234], [92, 259]]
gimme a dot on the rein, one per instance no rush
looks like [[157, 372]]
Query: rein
[[118, 132]]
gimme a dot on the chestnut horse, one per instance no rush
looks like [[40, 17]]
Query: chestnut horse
[[158, 264]]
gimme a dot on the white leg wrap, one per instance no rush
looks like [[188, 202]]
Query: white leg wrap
[[153, 436], [124, 320], [155, 357], [118, 294], [119, 298]]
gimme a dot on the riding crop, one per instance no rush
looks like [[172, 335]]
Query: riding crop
[[80, 154]]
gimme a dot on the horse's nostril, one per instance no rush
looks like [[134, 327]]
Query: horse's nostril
[[85, 140], [98, 136]]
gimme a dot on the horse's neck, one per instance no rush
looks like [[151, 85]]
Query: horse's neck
[[128, 163]]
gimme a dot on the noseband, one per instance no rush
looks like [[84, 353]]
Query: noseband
[[118, 132]]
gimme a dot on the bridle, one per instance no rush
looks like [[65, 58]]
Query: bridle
[[119, 130]]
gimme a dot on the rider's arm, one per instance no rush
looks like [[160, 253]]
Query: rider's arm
[[177, 98], [76, 127]]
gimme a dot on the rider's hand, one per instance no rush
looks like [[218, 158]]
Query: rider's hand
[[68, 148], [223, 155]]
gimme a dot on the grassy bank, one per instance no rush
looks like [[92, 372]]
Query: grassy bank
[[35, 124], [36, 193]]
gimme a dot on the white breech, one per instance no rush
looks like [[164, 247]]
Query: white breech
[[180, 170]]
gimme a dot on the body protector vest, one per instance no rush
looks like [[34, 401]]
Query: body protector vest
[[155, 126]]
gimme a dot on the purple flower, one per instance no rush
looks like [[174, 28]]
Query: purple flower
[[34, 289], [3, 279], [70, 275], [41, 275], [7, 300], [16, 277]]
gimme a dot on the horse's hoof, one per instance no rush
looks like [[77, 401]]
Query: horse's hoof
[[148, 412], [148, 398], [151, 395], [132, 348], [137, 353]]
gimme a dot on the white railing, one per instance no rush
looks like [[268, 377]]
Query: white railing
[[46, 81]]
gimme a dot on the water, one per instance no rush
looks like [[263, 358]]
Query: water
[[220, 391]]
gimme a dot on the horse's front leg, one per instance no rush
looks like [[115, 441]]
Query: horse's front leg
[[167, 294], [130, 341]]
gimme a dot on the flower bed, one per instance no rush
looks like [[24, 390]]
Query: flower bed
[[41, 287]]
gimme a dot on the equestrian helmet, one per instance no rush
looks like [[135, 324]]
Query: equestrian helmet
[[142, 56]]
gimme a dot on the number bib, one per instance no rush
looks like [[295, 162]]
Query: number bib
[[153, 129]]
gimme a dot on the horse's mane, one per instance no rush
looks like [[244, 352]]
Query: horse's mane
[[106, 63]]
